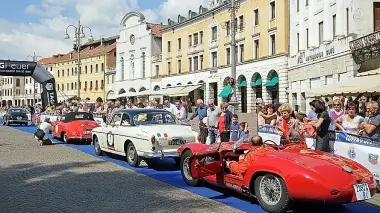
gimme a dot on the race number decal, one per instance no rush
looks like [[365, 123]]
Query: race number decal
[[110, 140]]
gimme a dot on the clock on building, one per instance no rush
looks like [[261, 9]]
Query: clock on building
[[132, 39]]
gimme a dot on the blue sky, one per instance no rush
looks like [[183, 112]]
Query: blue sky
[[29, 26]]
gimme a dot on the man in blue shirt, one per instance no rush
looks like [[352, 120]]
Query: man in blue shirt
[[201, 112]]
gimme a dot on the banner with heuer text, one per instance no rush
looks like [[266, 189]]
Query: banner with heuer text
[[363, 150]]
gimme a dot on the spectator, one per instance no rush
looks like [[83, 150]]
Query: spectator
[[201, 112], [243, 130], [322, 125], [234, 136], [349, 122], [286, 124], [267, 114], [179, 111], [312, 116], [335, 113], [223, 122], [371, 128], [213, 113], [169, 106]]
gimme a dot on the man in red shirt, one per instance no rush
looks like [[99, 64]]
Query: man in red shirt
[[240, 167]]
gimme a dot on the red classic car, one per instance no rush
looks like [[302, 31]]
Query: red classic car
[[74, 126], [279, 174]]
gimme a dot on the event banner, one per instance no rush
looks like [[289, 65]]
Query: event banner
[[17, 68], [363, 150], [49, 94]]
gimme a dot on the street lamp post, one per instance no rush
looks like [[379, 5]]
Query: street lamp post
[[234, 6], [79, 34], [34, 58]]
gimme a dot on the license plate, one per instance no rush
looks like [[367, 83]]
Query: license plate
[[362, 192], [19, 118], [176, 141]]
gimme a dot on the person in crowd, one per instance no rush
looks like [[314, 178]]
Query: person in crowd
[[371, 128], [140, 105], [160, 106], [213, 113], [243, 130], [286, 124], [185, 105], [322, 125], [235, 126], [349, 122], [267, 114], [43, 131], [312, 116], [241, 166], [180, 111], [335, 113], [201, 112], [169, 106], [151, 105], [305, 126], [223, 122]]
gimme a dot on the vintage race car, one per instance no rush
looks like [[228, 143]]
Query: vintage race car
[[142, 134], [279, 175], [16, 116], [74, 126]]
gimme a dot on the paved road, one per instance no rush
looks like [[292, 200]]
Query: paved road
[[60, 179]]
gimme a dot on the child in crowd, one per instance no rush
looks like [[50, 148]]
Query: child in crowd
[[243, 130], [235, 126], [305, 126]]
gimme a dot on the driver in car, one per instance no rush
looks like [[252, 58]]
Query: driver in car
[[240, 167]]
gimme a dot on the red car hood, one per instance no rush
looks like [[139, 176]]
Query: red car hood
[[325, 165]]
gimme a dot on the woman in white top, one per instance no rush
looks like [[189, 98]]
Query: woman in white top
[[349, 122]]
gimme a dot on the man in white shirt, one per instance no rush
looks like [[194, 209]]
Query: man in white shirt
[[47, 129], [213, 113], [180, 111], [169, 107]]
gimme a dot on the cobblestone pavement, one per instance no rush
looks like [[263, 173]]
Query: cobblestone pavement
[[60, 179]]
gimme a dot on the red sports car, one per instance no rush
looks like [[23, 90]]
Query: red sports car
[[74, 126], [279, 174]]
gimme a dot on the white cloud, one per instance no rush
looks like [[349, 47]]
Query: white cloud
[[45, 36]]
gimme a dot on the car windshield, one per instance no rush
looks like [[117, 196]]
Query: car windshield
[[17, 111], [147, 118]]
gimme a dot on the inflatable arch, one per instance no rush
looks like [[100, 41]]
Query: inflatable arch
[[37, 72]]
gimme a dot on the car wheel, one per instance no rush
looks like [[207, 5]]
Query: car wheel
[[132, 157], [185, 170], [64, 138], [271, 193], [98, 150]]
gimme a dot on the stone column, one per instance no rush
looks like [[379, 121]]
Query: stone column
[[327, 28], [283, 84], [251, 99], [340, 17], [266, 97], [301, 28], [312, 26]]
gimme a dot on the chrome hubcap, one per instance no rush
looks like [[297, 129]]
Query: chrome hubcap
[[270, 190], [65, 137], [131, 154], [186, 168]]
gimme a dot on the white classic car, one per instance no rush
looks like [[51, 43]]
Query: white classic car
[[142, 134]]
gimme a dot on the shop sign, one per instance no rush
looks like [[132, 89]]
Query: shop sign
[[315, 56]]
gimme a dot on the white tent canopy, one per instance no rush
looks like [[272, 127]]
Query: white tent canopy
[[357, 85]]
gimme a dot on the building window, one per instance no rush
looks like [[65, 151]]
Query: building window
[[63, 73], [85, 69], [75, 85], [157, 70], [96, 84], [169, 68], [108, 79], [190, 40], [273, 44], [68, 87], [298, 42], [195, 35], [256, 48], [228, 28], [179, 44], [272, 10], [214, 56], [201, 37], [91, 69], [101, 84], [122, 67], [102, 67], [58, 73], [85, 84], [195, 63], [347, 22], [201, 62], [72, 71], [334, 26], [96, 68], [169, 47], [26, 81], [241, 23], [68, 72], [298, 5], [241, 52], [320, 27], [63, 87], [58, 87], [190, 64], [179, 66], [90, 84], [214, 31], [307, 38], [132, 63], [72, 86], [18, 83], [143, 64], [256, 15], [228, 56]]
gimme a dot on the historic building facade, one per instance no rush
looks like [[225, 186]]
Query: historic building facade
[[95, 58], [320, 34], [138, 42], [196, 50]]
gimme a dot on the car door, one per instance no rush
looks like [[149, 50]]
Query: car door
[[206, 163], [122, 131], [110, 132]]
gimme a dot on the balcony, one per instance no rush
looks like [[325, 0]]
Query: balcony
[[156, 58], [366, 48], [196, 49]]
